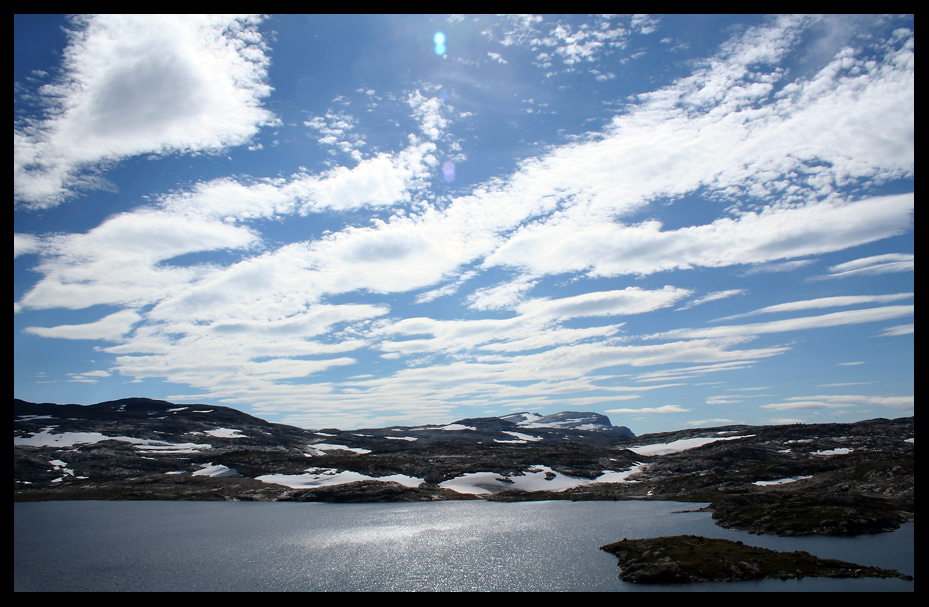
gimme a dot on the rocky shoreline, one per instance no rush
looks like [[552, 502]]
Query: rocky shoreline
[[684, 559]]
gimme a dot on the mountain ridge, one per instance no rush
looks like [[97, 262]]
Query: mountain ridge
[[787, 479]]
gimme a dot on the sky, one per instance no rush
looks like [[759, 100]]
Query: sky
[[360, 221]]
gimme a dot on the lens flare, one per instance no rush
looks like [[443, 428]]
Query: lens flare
[[439, 40], [448, 171]]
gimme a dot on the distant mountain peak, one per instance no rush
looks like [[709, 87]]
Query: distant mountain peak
[[567, 420]]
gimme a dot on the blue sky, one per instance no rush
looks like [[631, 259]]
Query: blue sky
[[351, 221]]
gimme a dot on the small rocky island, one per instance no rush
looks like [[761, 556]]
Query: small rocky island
[[689, 558]]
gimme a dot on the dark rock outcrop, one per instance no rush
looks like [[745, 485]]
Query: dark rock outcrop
[[814, 514], [685, 559], [371, 491]]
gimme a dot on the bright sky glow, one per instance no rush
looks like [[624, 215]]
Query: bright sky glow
[[327, 222]]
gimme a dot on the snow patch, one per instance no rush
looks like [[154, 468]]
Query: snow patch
[[680, 445], [523, 437], [456, 427], [62, 468], [45, 438], [217, 470], [839, 451], [536, 478], [781, 481], [320, 477], [153, 446], [225, 433], [323, 448], [69, 439]]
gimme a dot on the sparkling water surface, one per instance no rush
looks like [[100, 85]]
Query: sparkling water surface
[[437, 546]]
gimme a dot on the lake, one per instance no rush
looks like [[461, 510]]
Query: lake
[[434, 546]]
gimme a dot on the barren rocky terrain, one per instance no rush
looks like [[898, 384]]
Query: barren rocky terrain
[[796, 479]]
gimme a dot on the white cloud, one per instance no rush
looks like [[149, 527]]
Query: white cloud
[[848, 383], [631, 300], [840, 401], [505, 296], [663, 409], [533, 326], [714, 296], [109, 328], [90, 377], [834, 319], [907, 329], [24, 244], [696, 423], [823, 302], [431, 113], [612, 249], [141, 84], [384, 180], [123, 260], [878, 264], [448, 289], [338, 130], [698, 370], [589, 42], [784, 266]]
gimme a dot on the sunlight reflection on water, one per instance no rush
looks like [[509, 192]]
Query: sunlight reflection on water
[[443, 546]]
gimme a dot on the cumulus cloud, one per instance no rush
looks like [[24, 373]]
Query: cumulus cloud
[[141, 84], [338, 132], [568, 44], [431, 114]]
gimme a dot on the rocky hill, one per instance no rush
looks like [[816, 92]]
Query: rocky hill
[[792, 479]]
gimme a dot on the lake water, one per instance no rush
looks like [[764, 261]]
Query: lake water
[[436, 546]]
